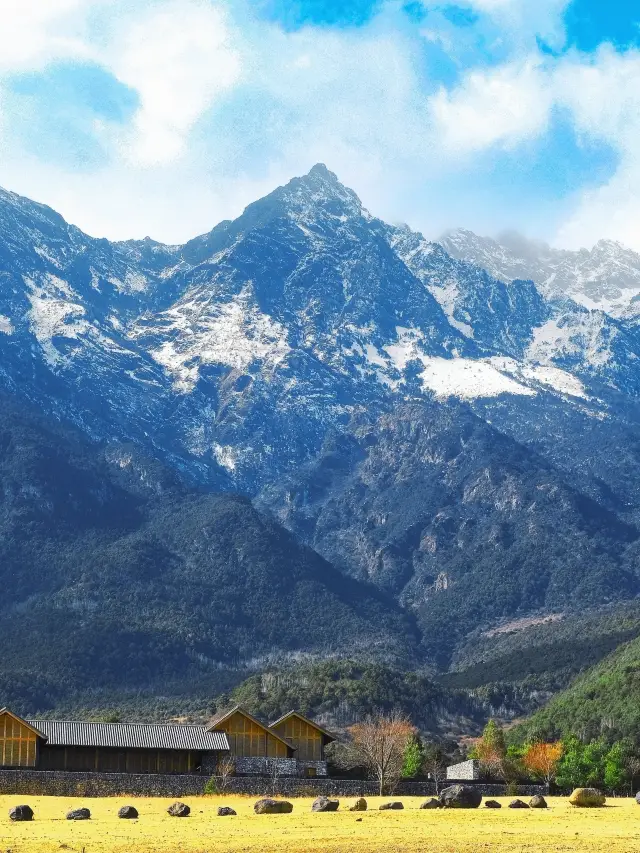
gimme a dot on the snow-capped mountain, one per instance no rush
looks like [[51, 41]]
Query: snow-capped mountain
[[605, 278], [395, 406], [234, 355]]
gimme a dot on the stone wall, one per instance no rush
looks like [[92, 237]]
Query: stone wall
[[58, 783], [466, 771], [278, 767]]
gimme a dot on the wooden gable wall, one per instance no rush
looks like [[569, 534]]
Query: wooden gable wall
[[247, 739], [308, 741], [18, 743]]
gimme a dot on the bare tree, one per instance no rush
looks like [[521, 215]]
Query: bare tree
[[632, 766], [379, 743], [225, 770], [434, 764]]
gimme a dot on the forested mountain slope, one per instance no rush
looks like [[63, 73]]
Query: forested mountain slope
[[604, 702], [116, 577]]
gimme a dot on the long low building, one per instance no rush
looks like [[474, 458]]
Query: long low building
[[292, 746]]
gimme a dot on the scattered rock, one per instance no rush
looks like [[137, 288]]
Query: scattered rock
[[128, 813], [492, 804], [179, 810], [460, 797], [431, 804], [226, 811], [268, 806], [21, 813], [358, 820], [79, 814], [396, 805], [324, 804], [587, 798], [538, 802], [518, 804], [360, 805]]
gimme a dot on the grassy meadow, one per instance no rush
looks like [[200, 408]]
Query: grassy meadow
[[563, 829]]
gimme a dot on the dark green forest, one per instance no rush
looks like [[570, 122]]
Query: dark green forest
[[116, 578]]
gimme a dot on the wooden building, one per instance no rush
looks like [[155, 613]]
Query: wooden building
[[249, 738], [107, 747], [292, 746], [308, 738]]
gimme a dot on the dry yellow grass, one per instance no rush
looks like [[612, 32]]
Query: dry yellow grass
[[562, 829]]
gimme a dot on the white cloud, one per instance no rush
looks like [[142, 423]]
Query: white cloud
[[500, 106], [603, 94], [34, 32], [179, 58]]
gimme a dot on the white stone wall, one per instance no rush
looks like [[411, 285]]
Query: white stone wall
[[465, 771]]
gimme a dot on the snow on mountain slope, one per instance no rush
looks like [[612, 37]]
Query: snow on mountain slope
[[605, 278], [235, 355]]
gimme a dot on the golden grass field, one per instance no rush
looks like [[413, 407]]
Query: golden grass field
[[561, 829]]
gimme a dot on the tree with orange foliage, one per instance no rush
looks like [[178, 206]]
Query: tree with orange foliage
[[542, 760], [379, 744]]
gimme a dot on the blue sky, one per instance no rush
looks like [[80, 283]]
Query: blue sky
[[163, 117]]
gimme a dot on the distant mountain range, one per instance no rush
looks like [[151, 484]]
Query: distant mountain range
[[605, 278], [449, 432]]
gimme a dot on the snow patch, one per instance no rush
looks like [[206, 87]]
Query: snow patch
[[571, 335], [226, 456], [551, 377], [53, 314], [234, 334], [468, 379], [6, 326]]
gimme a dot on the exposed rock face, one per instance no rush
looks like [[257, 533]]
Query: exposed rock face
[[394, 806], [360, 805], [128, 813], [226, 811], [269, 806], [518, 804], [587, 798], [492, 804], [323, 804], [79, 814], [431, 804], [179, 810], [460, 797], [538, 802], [19, 814]]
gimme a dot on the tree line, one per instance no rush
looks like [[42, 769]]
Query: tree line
[[389, 747]]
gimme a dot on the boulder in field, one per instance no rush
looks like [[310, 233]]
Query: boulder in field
[[179, 810], [492, 804], [518, 804], [324, 804], [396, 805], [226, 811], [431, 804], [128, 813], [19, 814], [638, 798], [460, 797], [360, 805], [587, 798], [538, 802], [79, 814], [269, 806]]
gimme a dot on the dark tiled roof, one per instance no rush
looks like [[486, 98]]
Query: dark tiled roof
[[130, 735]]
